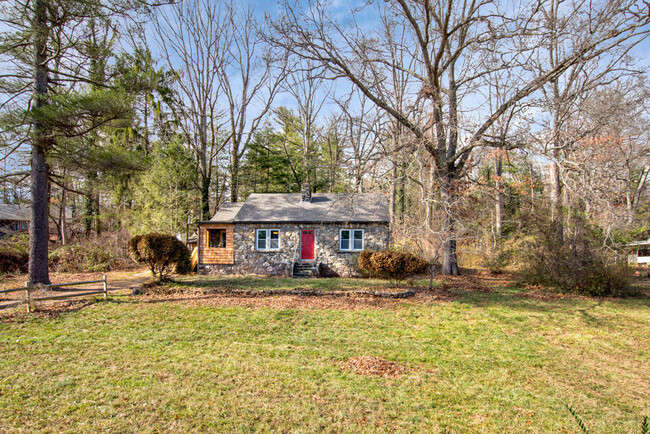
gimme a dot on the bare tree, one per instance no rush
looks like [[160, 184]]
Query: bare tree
[[450, 42], [310, 92], [608, 169], [564, 24], [333, 148], [195, 38], [250, 77], [363, 127]]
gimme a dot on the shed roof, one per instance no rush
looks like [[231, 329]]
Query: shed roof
[[323, 208]]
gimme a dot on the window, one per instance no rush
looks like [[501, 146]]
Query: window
[[217, 238], [267, 239], [351, 239]]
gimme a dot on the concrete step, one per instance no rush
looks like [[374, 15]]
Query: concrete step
[[303, 269]]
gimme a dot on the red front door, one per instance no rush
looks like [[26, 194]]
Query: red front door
[[307, 244]]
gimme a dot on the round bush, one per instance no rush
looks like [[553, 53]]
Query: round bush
[[394, 265], [163, 254]]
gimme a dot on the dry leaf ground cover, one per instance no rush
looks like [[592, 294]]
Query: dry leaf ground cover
[[482, 356]]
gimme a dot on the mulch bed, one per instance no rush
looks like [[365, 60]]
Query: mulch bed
[[374, 366]]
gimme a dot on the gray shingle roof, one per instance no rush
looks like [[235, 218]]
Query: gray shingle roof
[[227, 212], [10, 211], [323, 208], [22, 212]]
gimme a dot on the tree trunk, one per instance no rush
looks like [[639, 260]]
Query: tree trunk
[[205, 199], [628, 207], [88, 215], [63, 224], [449, 258], [392, 198], [432, 273], [402, 192], [234, 178], [38, 230], [556, 200], [498, 203], [89, 202], [98, 225]]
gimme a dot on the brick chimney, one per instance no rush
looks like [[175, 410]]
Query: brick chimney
[[306, 192]]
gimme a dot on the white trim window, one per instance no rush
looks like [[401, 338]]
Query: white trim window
[[351, 239], [267, 239]]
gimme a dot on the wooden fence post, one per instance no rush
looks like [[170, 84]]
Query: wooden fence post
[[27, 298], [105, 286]]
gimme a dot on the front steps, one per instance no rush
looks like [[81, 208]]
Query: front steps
[[305, 270]]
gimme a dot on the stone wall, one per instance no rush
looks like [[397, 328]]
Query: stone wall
[[328, 257]]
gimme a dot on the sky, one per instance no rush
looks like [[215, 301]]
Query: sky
[[339, 8]]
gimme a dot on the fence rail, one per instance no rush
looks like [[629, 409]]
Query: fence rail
[[28, 289], [7, 291]]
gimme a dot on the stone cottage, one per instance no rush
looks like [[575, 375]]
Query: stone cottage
[[293, 234]]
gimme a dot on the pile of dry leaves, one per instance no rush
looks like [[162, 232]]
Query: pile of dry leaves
[[370, 365]]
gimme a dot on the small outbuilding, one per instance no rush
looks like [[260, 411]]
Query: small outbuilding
[[294, 234], [640, 253]]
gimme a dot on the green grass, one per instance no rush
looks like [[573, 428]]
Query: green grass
[[485, 362], [279, 283]]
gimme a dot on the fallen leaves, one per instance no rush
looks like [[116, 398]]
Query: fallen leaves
[[371, 365]]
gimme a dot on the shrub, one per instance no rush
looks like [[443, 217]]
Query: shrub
[[577, 264], [84, 257], [363, 262], [18, 243], [133, 248], [496, 261], [13, 262], [104, 253], [391, 264], [163, 254], [14, 253]]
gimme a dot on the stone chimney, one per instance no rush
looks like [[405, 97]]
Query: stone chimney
[[306, 192]]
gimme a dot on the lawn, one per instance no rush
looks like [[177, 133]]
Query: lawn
[[477, 361]]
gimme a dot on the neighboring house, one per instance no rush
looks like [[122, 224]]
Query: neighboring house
[[14, 219], [641, 254], [293, 234]]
